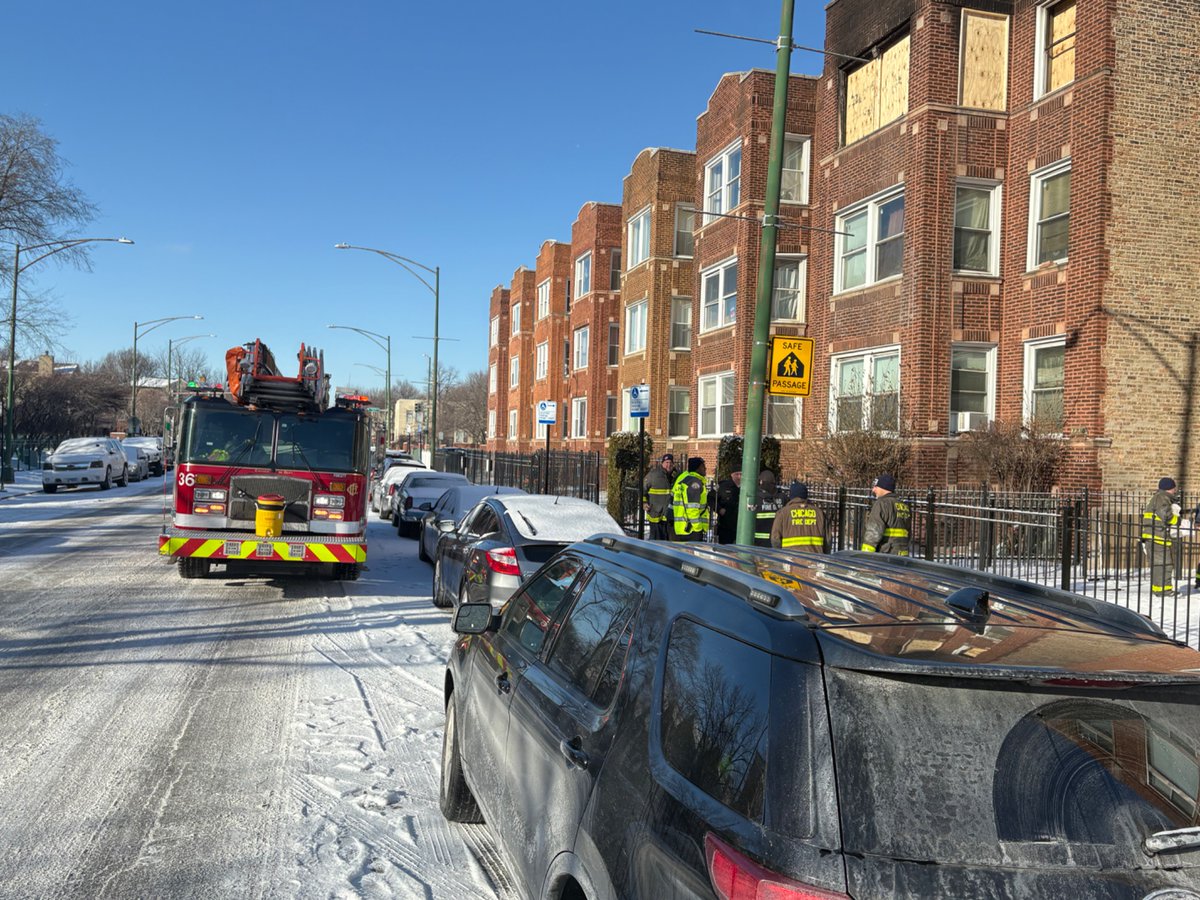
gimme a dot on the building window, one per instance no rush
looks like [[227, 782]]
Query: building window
[[1049, 214], [541, 361], [515, 315], [1054, 65], [719, 286], [784, 415], [972, 387], [679, 412], [583, 275], [610, 415], [614, 269], [876, 92], [865, 392], [543, 300], [566, 370], [614, 343], [582, 341], [685, 221], [512, 423], [492, 378], [977, 228], [639, 238], [870, 241], [514, 371], [716, 404], [491, 424], [1044, 371], [635, 327], [579, 417], [794, 186], [681, 323], [787, 302], [983, 61], [723, 180], [494, 332]]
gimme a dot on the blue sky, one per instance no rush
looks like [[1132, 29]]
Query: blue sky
[[236, 143]]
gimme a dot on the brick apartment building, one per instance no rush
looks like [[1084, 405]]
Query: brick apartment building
[[990, 213], [551, 342], [518, 405], [499, 332]]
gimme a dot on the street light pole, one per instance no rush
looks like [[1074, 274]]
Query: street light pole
[[140, 328], [435, 289], [375, 338], [6, 472], [182, 340]]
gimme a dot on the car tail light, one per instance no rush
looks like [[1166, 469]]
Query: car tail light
[[408, 502], [737, 877], [503, 560], [391, 489]]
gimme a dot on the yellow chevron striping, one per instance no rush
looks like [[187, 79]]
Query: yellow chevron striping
[[208, 548], [323, 553]]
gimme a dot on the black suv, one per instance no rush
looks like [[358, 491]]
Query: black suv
[[693, 721]]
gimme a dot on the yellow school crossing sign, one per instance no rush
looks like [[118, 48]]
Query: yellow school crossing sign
[[790, 371]]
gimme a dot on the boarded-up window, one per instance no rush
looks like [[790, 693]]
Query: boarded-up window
[[877, 92], [1056, 46], [983, 79]]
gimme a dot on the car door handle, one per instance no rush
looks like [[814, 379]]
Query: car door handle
[[503, 685], [573, 751]]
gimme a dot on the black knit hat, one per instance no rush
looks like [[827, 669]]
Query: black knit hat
[[887, 482], [799, 490], [695, 462], [1166, 484]]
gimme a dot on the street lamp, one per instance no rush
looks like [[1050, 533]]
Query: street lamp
[[434, 288], [182, 340], [6, 472], [140, 328], [386, 347]]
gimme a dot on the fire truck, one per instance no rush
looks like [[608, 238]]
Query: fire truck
[[269, 478]]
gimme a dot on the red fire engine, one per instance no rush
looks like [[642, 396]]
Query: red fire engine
[[268, 476]]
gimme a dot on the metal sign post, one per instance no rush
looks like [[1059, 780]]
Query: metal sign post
[[547, 414], [639, 408]]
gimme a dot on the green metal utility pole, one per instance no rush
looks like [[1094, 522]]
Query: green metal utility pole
[[752, 443]]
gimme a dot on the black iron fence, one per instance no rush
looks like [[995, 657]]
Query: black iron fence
[[563, 472]]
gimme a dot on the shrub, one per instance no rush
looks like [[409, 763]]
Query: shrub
[[856, 457], [1013, 456], [729, 454], [623, 468]]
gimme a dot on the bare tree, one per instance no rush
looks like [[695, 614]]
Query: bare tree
[[463, 407]]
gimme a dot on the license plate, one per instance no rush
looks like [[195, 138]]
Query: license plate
[[264, 549], [295, 551], [233, 548]]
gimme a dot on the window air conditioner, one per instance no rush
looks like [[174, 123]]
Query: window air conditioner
[[970, 421]]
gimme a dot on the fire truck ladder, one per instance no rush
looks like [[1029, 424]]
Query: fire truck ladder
[[261, 384]]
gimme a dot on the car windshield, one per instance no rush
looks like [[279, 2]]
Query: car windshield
[[316, 442], [991, 774], [227, 434], [76, 445]]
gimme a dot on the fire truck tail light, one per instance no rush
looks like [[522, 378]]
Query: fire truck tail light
[[334, 501], [209, 509], [503, 561]]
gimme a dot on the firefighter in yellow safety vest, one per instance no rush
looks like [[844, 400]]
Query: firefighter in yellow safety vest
[[689, 505], [888, 522], [656, 496], [1158, 518]]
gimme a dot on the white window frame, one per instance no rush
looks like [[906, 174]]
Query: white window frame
[[716, 382], [539, 428], [867, 358], [541, 361], [871, 206], [583, 275], [773, 401], [684, 208], [491, 432], [635, 338], [579, 417], [582, 344], [1030, 372], [995, 205], [543, 300], [805, 167], [515, 316], [990, 398], [514, 372], [626, 417], [720, 272], [1041, 62], [679, 304], [638, 238], [512, 424], [721, 193], [492, 380], [674, 392], [494, 331], [1036, 180], [801, 263]]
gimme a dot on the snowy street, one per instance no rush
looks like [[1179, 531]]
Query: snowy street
[[247, 737]]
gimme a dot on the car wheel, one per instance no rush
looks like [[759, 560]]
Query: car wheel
[[454, 794], [439, 596], [107, 482], [123, 481], [49, 488], [405, 529], [421, 554]]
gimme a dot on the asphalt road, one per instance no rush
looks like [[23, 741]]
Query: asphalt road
[[246, 737]]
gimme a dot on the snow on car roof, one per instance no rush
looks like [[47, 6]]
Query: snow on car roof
[[559, 519]]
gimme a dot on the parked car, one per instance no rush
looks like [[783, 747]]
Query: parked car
[[706, 721], [415, 495], [153, 448], [385, 483], [136, 461], [450, 507], [503, 540], [92, 460]]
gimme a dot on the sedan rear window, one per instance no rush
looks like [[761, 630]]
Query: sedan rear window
[[428, 481]]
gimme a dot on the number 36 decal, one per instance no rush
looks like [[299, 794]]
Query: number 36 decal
[[187, 479]]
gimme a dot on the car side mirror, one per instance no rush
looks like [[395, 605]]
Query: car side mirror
[[425, 505], [475, 618], [446, 526]]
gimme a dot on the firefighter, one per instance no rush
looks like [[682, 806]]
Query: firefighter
[[656, 496], [690, 502], [800, 525], [766, 508], [889, 520], [1158, 518]]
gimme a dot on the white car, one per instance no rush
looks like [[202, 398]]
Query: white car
[[136, 459], [94, 460], [153, 448], [387, 485]]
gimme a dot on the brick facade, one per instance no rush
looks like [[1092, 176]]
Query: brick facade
[[499, 328], [520, 345]]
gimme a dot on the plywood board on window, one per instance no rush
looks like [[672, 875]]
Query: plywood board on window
[[893, 82], [862, 101], [984, 74], [1062, 45]]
